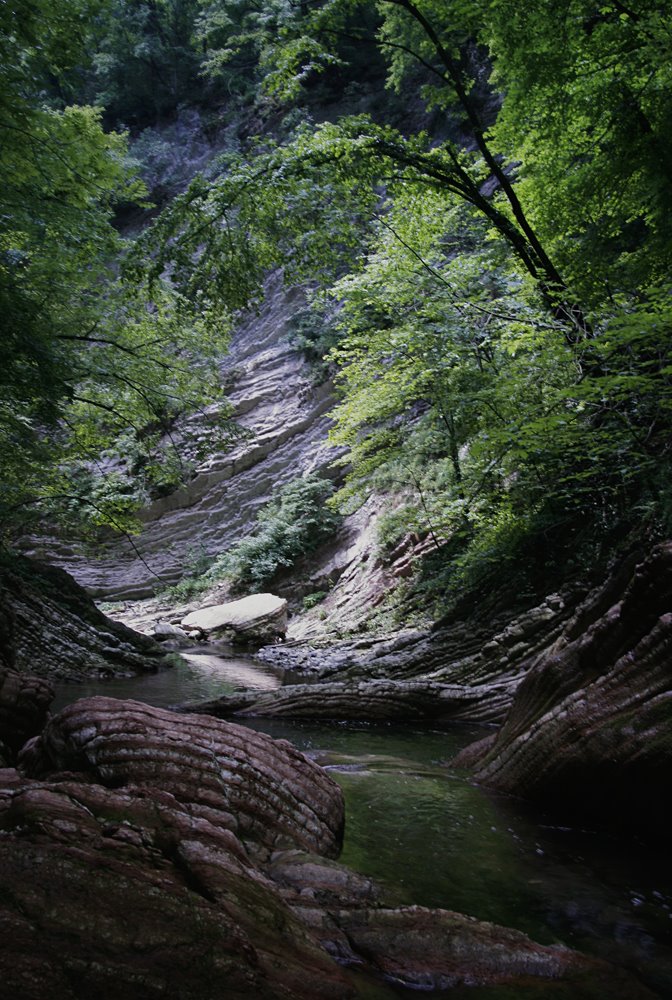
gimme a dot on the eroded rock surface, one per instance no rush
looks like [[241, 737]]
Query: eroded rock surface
[[24, 705], [145, 854], [591, 723], [263, 789], [465, 670], [286, 420], [257, 618], [50, 627], [143, 834], [384, 700]]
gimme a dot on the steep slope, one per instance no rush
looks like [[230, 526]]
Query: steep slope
[[285, 417]]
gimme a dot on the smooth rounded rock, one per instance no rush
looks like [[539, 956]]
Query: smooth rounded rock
[[259, 616]]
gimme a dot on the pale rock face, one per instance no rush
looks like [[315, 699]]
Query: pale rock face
[[259, 616], [286, 420]]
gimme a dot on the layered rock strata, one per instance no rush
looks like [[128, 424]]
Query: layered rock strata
[[144, 835], [465, 670], [262, 789], [284, 417], [591, 722], [50, 627], [382, 700], [584, 692], [144, 854]]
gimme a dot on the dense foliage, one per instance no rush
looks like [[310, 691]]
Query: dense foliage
[[505, 311], [86, 356], [291, 525], [496, 277]]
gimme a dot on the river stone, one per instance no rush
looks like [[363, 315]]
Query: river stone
[[164, 632], [259, 617]]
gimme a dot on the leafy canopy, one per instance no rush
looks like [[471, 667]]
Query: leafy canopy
[[505, 311], [86, 354]]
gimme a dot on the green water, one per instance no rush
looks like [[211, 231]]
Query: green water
[[431, 837]]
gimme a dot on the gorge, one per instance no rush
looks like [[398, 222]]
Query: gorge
[[566, 674], [335, 519]]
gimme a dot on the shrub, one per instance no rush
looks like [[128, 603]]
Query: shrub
[[310, 600], [296, 522]]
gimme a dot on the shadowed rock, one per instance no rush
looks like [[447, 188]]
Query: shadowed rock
[[591, 722], [145, 854], [143, 833], [429, 949], [24, 704], [132, 897], [264, 789], [50, 627], [433, 949]]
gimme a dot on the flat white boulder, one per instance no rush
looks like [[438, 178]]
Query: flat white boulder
[[260, 616]]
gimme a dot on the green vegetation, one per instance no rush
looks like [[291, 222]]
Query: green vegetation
[[490, 282], [291, 525], [312, 600], [87, 356]]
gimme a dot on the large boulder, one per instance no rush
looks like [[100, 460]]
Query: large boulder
[[131, 846], [123, 894], [268, 793], [257, 618]]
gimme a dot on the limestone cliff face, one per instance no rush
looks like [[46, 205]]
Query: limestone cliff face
[[285, 417]]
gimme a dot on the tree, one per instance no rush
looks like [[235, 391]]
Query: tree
[[146, 59], [559, 411], [86, 355], [587, 111]]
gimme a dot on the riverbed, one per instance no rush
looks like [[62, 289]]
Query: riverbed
[[431, 837]]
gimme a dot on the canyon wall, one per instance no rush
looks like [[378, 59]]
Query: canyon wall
[[284, 416]]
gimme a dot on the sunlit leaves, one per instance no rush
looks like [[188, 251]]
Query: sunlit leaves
[[588, 113]]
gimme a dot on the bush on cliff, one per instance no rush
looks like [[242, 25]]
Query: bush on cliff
[[293, 524]]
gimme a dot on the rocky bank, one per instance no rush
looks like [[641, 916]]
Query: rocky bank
[[582, 689], [50, 627], [144, 853]]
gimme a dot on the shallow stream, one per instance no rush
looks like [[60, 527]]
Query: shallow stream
[[432, 838]]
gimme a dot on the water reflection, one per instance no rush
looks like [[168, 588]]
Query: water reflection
[[432, 838], [239, 673], [194, 675]]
